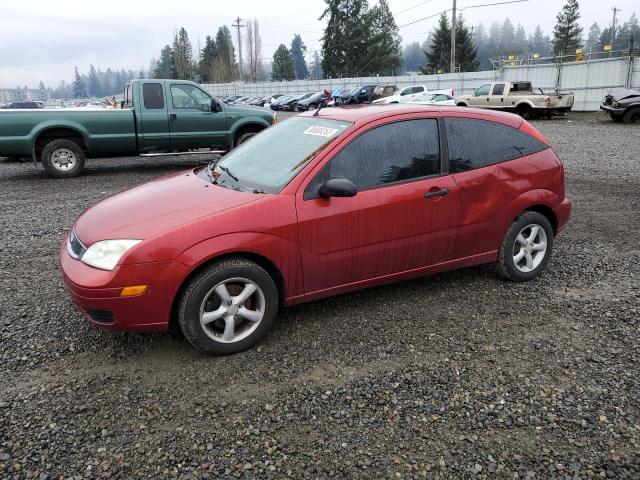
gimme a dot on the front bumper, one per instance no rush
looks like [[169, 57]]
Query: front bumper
[[618, 111], [96, 292]]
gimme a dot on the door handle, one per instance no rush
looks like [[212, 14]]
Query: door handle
[[173, 117], [487, 99], [436, 193]]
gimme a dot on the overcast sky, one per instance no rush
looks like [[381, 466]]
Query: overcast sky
[[44, 39]]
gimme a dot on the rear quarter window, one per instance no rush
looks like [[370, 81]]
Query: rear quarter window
[[476, 143], [153, 96]]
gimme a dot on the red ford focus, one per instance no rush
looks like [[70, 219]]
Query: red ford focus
[[318, 205]]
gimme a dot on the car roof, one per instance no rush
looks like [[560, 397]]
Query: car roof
[[369, 113]]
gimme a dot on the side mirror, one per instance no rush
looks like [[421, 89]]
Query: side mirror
[[215, 106], [206, 107], [338, 187]]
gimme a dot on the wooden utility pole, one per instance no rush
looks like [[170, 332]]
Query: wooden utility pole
[[453, 38], [239, 25], [613, 25]]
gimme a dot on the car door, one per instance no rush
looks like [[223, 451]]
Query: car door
[[496, 99], [154, 120], [402, 218], [416, 92], [405, 95], [192, 123], [480, 97]]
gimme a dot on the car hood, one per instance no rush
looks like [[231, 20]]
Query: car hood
[[247, 110], [623, 93], [157, 206]]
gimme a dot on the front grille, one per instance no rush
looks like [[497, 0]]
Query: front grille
[[74, 246], [99, 316], [608, 100]]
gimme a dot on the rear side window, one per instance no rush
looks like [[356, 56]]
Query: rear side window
[[478, 143], [128, 96], [498, 88], [397, 152], [153, 98], [418, 89]]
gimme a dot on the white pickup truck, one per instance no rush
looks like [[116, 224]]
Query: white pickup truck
[[518, 97], [410, 94]]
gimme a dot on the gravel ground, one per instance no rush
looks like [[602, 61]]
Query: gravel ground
[[456, 375]]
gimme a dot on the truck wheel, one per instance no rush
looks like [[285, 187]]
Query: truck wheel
[[524, 111], [616, 118], [228, 307], [243, 138], [632, 116], [62, 159]]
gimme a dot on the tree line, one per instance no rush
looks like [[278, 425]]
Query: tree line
[[358, 40]]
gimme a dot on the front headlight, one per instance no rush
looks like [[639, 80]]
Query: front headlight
[[107, 253], [274, 120]]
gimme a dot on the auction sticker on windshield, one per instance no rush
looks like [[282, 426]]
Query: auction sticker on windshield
[[321, 131]]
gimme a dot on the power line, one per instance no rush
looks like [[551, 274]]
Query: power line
[[412, 7]]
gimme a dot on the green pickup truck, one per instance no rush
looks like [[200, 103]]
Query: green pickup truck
[[158, 117]]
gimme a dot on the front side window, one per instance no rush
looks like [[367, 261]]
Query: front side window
[[406, 91], [478, 143], [396, 152], [188, 96], [153, 97], [483, 90], [418, 89]]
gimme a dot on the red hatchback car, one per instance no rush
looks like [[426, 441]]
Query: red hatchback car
[[320, 204]]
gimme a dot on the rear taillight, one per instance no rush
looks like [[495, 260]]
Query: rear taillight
[[527, 128], [547, 102]]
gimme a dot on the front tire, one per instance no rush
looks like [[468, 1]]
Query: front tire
[[632, 117], [243, 138], [62, 158], [526, 248], [228, 307]]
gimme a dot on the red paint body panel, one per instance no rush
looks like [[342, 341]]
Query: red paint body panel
[[320, 247]]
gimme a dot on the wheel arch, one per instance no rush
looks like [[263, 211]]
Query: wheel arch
[[538, 200], [250, 126], [268, 265], [547, 212], [60, 132]]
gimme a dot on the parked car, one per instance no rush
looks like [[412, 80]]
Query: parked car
[[161, 117], [232, 98], [518, 97], [312, 101], [404, 95], [278, 103], [345, 96], [321, 204], [238, 101], [434, 99], [271, 99], [23, 105], [290, 104], [622, 105]]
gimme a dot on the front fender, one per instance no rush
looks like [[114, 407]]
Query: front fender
[[242, 122], [282, 253]]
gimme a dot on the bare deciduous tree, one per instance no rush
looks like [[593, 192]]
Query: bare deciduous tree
[[254, 50]]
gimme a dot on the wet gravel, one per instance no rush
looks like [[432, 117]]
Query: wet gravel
[[452, 376]]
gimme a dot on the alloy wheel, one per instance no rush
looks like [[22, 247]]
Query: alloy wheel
[[232, 310], [63, 159], [530, 248]]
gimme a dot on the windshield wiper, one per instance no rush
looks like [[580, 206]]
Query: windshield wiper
[[228, 172]]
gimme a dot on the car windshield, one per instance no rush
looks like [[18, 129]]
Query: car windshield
[[426, 97], [270, 160]]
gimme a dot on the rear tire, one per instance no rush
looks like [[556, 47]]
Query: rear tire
[[62, 158], [526, 248], [632, 117], [228, 307], [243, 138], [524, 111]]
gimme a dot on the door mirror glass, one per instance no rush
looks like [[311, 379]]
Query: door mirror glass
[[338, 187], [206, 107], [215, 106]]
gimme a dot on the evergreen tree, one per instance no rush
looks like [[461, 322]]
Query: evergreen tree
[[43, 94], [79, 86], [520, 46], [481, 41], [383, 55], [165, 68], [282, 65], [182, 55], [316, 66], [207, 59], [346, 37], [413, 58], [226, 67], [567, 34], [593, 37], [540, 43], [465, 49], [93, 87], [298, 49], [439, 57]]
